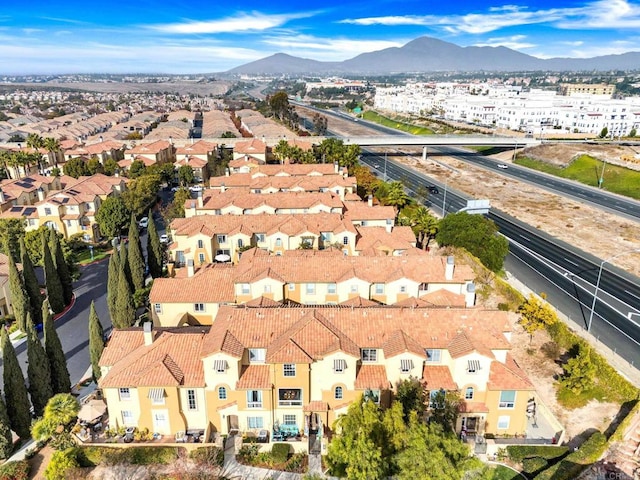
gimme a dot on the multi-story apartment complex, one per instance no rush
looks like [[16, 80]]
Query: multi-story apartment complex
[[300, 368], [27, 190]]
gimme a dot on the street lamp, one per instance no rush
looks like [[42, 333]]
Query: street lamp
[[595, 293], [385, 166], [444, 198]]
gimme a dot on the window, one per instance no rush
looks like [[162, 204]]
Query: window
[[240, 243], [326, 236], [191, 399], [292, 287], [267, 289], [159, 420], [437, 398], [354, 288], [379, 288], [369, 355], [507, 399], [217, 211], [473, 366], [406, 365], [125, 394], [69, 223], [245, 288], [157, 396], [337, 394], [403, 289], [468, 393], [311, 288], [200, 244], [157, 308], [222, 393], [289, 420], [289, 397], [255, 422], [198, 307], [339, 365], [47, 211], [289, 370], [220, 366], [127, 417], [345, 240], [278, 242], [331, 288], [503, 422], [254, 399], [433, 355], [222, 239], [201, 258], [256, 355], [373, 395], [260, 237]]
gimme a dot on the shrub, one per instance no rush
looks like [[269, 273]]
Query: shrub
[[574, 463], [280, 452], [92, 456], [248, 453], [295, 463], [533, 464], [152, 455], [15, 470], [518, 453], [61, 461], [504, 307], [208, 456], [551, 350]]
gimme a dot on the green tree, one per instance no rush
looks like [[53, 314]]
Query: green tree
[[112, 216], [579, 371], [38, 371], [15, 390], [154, 249], [176, 208], [423, 224], [55, 293], [166, 171], [135, 257], [19, 296], [536, 314], [395, 195], [6, 438], [76, 167], [60, 380], [125, 311], [31, 285], [61, 266], [604, 132], [411, 394], [282, 151], [11, 230], [110, 166], [94, 166], [332, 150], [112, 282], [477, 234], [96, 342], [53, 147], [185, 175], [137, 169], [444, 408], [60, 411], [62, 461], [279, 104], [141, 193]]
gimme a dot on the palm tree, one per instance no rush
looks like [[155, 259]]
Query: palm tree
[[53, 147], [424, 225], [282, 151], [396, 196], [36, 142]]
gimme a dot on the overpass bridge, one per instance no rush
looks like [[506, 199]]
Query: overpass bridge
[[440, 140]]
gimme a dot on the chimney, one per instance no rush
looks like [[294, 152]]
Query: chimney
[[41, 194], [223, 188], [246, 158], [336, 167], [370, 200], [101, 139], [193, 207], [170, 140], [147, 333], [470, 295], [200, 201], [190, 268], [448, 270], [2, 198], [227, 172]]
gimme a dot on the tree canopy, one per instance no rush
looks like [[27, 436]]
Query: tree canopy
[[141, 193], [76, 167], [536, 314], [112, 215]]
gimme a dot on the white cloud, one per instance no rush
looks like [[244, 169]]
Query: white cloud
[[515, 42], [392, 20], [243, 22]]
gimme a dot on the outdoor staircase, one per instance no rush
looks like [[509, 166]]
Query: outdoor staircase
[[627, 455]]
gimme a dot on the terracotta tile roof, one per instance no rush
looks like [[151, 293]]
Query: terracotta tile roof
[[359, 302], [316, 406], [251, 147], [247, 160], [313, 183], [436, 377], [215, 200], [463, 343], [362, 211], [210, 284], [149, 148], [297, 169], [287, 351], [254, 377], [508, 376], [262, 302], [172, 359], [443, 298], [399, 342], [201, 147], [371, 376], [400, 238], [473, 407], [237, 180], [231, 345]]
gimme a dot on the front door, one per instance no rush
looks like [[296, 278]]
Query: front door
[[469, 424]]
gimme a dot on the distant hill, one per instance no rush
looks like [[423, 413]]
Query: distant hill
[[427, 54]]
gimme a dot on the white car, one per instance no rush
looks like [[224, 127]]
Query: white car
[[503, 166], [144, 222], [164, 238], [195, 188]]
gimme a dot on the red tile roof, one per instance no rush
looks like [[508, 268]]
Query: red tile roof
[[210, 284], [254, 377], [371, 377], [508, 376], [436, 377]]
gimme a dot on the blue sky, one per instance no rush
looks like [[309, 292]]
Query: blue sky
[[171, 36]]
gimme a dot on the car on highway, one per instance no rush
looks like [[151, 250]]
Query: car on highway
[[503, 166], [434, 190], [144, 222]]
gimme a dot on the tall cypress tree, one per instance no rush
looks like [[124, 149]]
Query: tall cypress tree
[[19, 297], [124, 265], [38, 371], [6, 439], [154, 249], [125, 311], [96, 342], [60, 381], [15, 390], [31, 284], [136, 259], [54, 287], [112, 281], [61, 266]]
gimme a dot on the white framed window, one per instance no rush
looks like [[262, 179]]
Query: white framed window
[[337, 393], [192, 403], [124, 393], [353, 288], [157, 396], [157, 307], [503, 422], [379, 288], [127, 417], [260, 238], [345, 240], [468, 393], [403, 289], [434, 355], [254, 399], [310, 288], [222, 239], [326, 236], [160, 420], [369, 355], [255, 422], [201, 258], [47, 211], [339, 365], [289, 369], [507, 399], [257, 355], [267, 289], [240, 243], [220, 366], [373, 395], [332, 288], [473, 366], [289, 397], [222, 393], [200, 243], [278, 242], [198, 307], [289, 420], [245, 288], [291, 287], [406, 365]]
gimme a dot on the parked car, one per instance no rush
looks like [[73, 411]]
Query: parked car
[[503, 166], [164, 238], [144, 222], [195, 188]]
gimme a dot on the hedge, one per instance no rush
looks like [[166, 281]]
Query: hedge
[[573, 464], [518, 453], [208, 456], [93, 456], [15, 470], [280, 452]]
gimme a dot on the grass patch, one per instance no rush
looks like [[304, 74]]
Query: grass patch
[[396, 124], [571, 400], [83, 257], [503, 473], [587, 170]]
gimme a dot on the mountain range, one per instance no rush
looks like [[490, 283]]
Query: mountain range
[[427, 54]]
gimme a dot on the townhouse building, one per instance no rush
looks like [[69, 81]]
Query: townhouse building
[[197, 156], [101, 150], [160, 151], [252, 148], [298, 369], [27, 190]]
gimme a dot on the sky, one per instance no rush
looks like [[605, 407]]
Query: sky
[[208, 36]]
